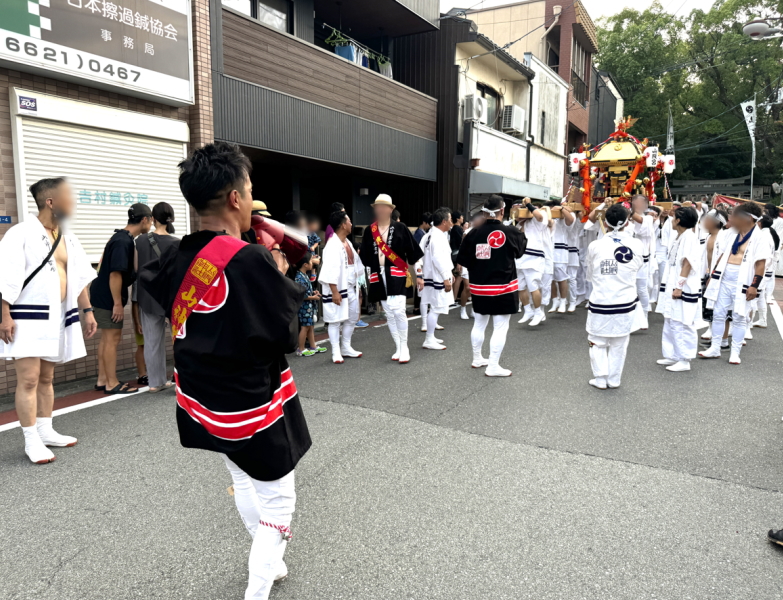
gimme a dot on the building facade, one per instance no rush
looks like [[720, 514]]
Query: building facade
[[607, 106], [547, 127], [109, 99], [484, 97], [309, 90], [561, 35]]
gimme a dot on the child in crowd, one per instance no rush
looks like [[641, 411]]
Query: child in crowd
[[308, 311], [313, 240]]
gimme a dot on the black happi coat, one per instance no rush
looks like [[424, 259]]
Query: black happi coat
[[232, 358], [488, 252], [400, 241]]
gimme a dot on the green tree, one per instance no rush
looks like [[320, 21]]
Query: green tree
[[705, 66]]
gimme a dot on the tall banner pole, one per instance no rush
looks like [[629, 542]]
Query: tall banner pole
[[749, 110]]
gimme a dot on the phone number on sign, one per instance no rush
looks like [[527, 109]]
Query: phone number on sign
[[32, 49]]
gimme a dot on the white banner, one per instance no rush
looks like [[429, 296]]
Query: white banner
[[749, 110]]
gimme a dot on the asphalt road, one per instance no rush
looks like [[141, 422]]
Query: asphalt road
[[431, 481]]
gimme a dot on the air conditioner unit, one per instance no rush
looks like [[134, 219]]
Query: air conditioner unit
[[514, 118], [475, 108]]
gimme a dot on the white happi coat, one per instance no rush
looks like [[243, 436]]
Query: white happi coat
[[612, 266], [436, 268], [539, 243], [645, 233], [686, 246], [756, 249], [37, 311], [336, 270], [769, 270]]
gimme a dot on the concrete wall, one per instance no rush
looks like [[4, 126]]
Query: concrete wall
[[505, 24]]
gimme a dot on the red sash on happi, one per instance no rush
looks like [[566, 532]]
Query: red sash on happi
[[387, 252], [206, 268]]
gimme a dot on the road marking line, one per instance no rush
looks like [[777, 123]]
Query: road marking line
[[778, 316], [75, 407]]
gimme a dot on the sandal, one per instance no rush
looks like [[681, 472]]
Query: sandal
[[143, 380], [122, 388], [100, 388], [165, 386]]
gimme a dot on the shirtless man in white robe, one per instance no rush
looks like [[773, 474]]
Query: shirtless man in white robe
[[39, 310]]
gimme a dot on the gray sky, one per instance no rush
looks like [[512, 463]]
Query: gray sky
[[596, 8]]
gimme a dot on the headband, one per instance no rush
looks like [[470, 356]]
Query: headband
[[717, 216], [619, 225], [493, 213]]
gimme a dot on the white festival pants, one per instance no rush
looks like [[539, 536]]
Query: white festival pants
[[643, 287], [679, 341], [496, 342], [607, 358], [724, 304], [272, 502], [573, 287], [394, 307]]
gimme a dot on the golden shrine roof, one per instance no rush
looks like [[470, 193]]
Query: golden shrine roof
[[617, 152]]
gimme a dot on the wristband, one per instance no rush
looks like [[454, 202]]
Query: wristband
[[756, 281], [680, 283], [88, 310], [530, 207]]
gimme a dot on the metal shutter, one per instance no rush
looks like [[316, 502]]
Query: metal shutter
[[104, 166]]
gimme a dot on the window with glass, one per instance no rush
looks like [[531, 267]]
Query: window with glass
[[274, 13], [493, 103]]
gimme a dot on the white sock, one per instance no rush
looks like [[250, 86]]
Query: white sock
[[31, 431]]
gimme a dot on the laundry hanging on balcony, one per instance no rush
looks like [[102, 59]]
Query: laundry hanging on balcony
[[358, 53], [348, 51]]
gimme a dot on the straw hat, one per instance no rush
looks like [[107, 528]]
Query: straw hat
[[260, 208], [384, 200]]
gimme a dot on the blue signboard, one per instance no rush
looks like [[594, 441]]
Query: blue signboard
[[5, 220]]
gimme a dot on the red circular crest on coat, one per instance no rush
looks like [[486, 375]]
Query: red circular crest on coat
[[496, 239], [215, 297]]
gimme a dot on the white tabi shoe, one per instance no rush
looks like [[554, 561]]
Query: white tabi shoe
[[50, 437], [479, 362], [497, 371], [680, 366], [527, 316], [761, 324], [598, 383], [563, 306], [423, 330], [432, 344], [349, 352], [405, 355], [555, 305], [35, 450], [734, 359], [572, 307], [396, 338], [463, 313], [438, 327], [748, 335], [666, 362], [337, 358], [538, 318], [711, 352], [707, 335], [282, 571]]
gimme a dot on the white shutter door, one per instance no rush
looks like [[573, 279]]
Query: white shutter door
[[108, 170]]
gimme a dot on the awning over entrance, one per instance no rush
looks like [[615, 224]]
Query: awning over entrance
[[489, 183]]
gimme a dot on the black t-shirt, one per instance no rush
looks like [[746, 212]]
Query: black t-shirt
[[117, 257]]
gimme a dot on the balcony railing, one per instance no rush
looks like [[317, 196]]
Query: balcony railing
[[580, 89]]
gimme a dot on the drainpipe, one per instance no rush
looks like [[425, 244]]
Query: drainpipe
[[556, 10], [531, 136]]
